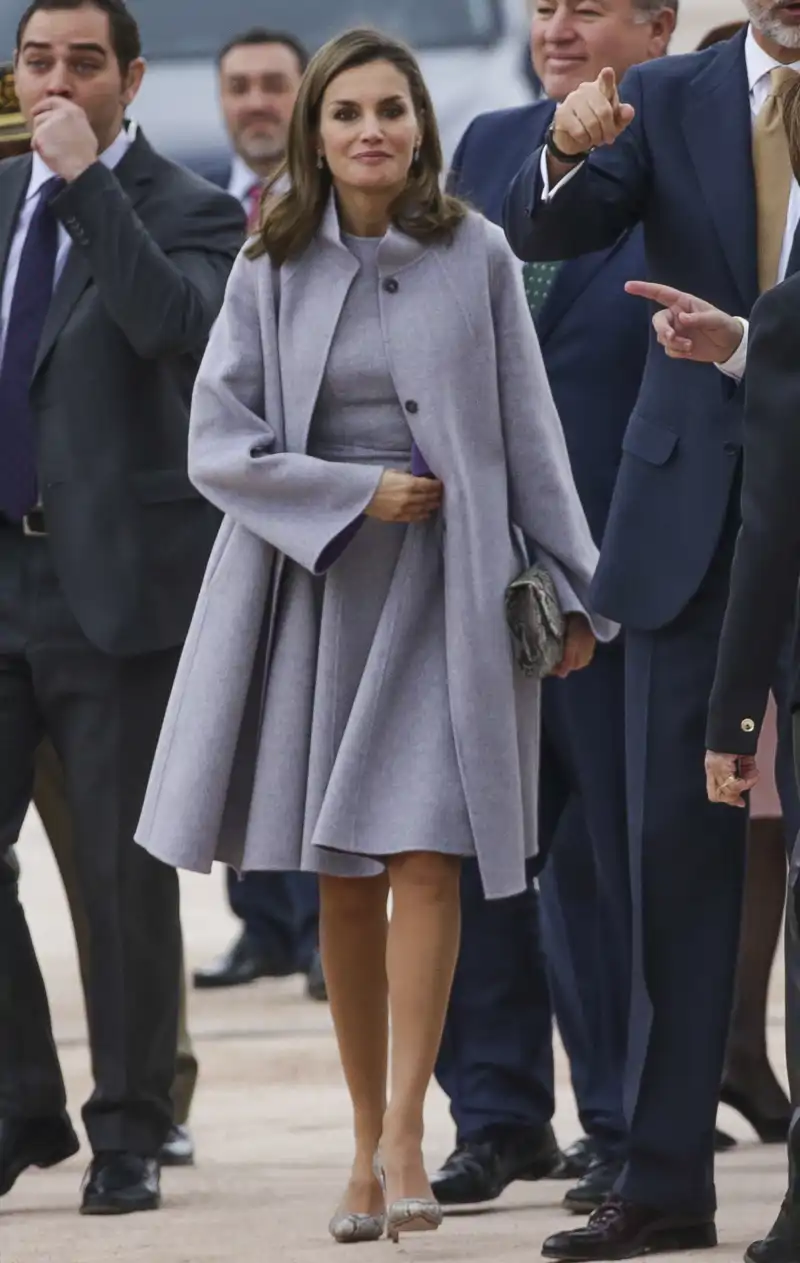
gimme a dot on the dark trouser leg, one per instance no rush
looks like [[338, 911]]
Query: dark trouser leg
[[304, 889], [264, 904], [31, 1085], [50, 800], [793, 953], [103, 716], [586, 888], [497, 1070], [687, 859]]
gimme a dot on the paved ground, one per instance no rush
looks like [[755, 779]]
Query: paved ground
[[272, 1129]]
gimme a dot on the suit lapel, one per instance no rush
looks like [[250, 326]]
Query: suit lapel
[[718, 129], [134, 173], [16, 178], [571, 282]]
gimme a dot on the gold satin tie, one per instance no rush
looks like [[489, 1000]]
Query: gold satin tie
[[773, 171]]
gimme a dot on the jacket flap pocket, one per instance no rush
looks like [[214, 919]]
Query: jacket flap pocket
[[160, 486], [650, 442]]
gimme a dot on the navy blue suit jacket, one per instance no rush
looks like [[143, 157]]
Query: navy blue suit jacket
[[594, 337], [684, 170]]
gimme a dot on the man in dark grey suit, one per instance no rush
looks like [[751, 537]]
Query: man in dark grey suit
[[115, 263]]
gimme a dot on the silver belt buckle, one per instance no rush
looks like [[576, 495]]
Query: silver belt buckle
[[31, 531]]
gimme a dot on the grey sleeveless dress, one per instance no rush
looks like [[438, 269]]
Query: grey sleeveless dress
[[322, 707]]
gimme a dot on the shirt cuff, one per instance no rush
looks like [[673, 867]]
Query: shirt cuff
[[735, 366], [547, 192]]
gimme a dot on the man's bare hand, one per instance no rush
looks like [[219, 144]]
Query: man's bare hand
[[729, 777], [592, 115], [63, 137], [689, 328]]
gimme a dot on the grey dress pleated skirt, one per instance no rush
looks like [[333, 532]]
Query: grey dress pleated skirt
[[345, 696]]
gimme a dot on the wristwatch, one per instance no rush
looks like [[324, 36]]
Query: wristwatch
[[552, 148]]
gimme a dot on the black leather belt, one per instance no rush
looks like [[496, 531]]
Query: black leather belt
[[33, 525]]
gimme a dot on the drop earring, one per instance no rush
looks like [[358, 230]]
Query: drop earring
[[320, 162], [415, 158]]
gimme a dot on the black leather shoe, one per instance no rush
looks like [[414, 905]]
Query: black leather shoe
[[244, 962], [315, 981], [480, 1170], [33, 1142], [622, 1230], [595, 1188], [120, 1184], [770, 1131], [782, 1242], [576, 1160], [722, 1141], [178, 1148]]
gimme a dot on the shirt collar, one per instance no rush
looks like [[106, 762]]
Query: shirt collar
[[110, 157], [242, 179], [760, 64]]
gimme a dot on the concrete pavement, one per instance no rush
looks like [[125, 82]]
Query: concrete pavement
[[272, 1129]]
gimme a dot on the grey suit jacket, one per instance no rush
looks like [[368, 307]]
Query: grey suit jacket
[[152, 247], [466, 363]]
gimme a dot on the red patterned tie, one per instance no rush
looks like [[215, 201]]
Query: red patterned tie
[[253, 204]]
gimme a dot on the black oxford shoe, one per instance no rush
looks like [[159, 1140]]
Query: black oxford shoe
[[623, 1230], [782, 1242], [33, 1142], [480, 1170], [243, 963], [595, 1188], [576, 1160], [178, 1148], [121, 1184]]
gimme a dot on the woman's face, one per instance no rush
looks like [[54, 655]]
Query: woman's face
[[368, 128]]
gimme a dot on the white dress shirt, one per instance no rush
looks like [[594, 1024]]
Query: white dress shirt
[[40, 174], [759, 66], [241, 181]]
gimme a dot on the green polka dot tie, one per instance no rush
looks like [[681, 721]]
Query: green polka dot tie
[[539, 279]]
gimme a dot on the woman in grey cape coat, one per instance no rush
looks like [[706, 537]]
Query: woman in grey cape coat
[[348, 700]]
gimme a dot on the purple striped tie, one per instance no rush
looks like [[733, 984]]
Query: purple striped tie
[[33, 291]]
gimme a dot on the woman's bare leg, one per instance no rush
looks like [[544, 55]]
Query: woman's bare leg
[[353, 930], [421, 960]]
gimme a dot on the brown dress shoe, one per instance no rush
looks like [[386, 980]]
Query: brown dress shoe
[[622, 1230]]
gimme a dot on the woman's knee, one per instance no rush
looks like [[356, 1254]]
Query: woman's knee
[[353, 896], [425, 876]]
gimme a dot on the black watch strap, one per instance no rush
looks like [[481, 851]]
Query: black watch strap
[[572, 158]]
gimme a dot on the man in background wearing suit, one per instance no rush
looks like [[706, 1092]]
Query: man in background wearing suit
[[763, 595], [693, 148], [259, 77], [50, 791], [115, 267], [499, 1075]]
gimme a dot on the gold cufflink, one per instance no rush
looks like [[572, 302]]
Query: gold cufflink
[[748, 725]]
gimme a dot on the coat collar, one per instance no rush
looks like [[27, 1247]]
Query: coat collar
[[397, 250]]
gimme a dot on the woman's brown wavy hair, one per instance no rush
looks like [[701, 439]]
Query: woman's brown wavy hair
[[290, 221]]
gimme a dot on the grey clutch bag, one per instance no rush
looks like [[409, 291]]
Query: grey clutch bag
[[536, 622]]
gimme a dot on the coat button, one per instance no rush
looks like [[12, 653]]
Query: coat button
[[412, 406], [391, 285], [748, 725], [260, 449]]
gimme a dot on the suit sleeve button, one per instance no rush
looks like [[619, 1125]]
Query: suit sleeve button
[[748, 725]]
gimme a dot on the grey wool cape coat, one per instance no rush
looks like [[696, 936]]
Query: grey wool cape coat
[[462, 346]]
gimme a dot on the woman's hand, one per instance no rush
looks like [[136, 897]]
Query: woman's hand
[[579, 646], [689, 328], [729, 777], [404, 498]]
